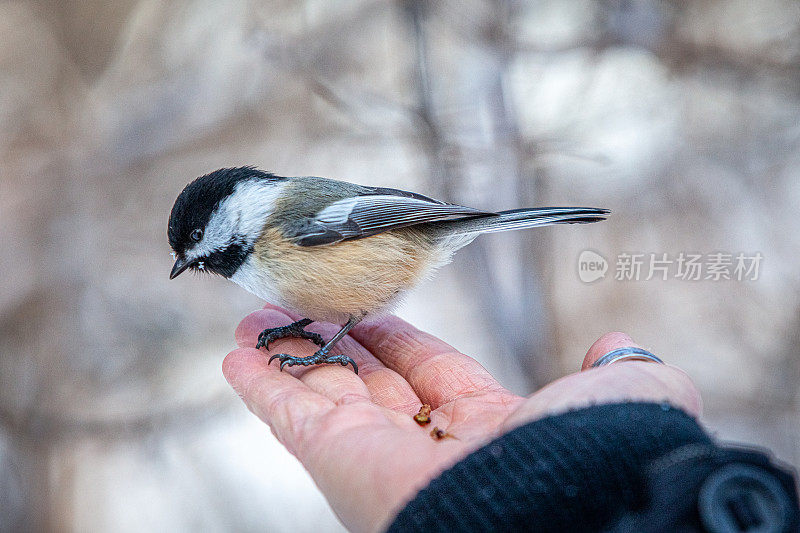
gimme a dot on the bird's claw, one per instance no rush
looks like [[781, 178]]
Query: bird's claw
[[316, 359], [292, 330], [342, 360]]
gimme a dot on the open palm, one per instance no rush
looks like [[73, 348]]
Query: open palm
[[355, 433]]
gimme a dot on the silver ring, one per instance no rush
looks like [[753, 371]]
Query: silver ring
[[629, 353]]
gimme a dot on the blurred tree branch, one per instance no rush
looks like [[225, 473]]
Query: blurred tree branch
[[517, 316]]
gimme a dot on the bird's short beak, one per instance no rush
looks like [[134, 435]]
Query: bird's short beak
[[181, 264]]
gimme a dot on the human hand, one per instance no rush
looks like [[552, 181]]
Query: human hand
[[355, 433]]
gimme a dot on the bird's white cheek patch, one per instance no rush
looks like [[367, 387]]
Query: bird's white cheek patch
[[249, 206], [240, 216]]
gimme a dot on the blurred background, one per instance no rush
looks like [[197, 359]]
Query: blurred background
[[682, 117]]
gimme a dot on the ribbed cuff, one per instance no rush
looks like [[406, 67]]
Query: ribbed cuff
[[571, 472]]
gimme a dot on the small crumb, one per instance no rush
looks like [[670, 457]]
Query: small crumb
[[439, 434], [423, 418]]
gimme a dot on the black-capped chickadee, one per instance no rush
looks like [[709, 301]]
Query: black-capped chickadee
[[328, 250]]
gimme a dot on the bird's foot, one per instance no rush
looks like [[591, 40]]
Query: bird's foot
[[319, 358], [295, 329]]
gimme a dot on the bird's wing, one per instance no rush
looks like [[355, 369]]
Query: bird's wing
[[365, 215]]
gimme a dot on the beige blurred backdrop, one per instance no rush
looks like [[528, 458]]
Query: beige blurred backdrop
[[682, 117]]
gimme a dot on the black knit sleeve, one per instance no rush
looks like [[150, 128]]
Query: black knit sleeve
[[599, 468]]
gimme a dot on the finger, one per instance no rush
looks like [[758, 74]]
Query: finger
[[339, 384], [633, 381], [435, 370], [277, 398], [374, 382], [330, 380], [623, 381], [606, 343], [252, 325], [389, 389], [294, 316], [667, 382], [381, 386]]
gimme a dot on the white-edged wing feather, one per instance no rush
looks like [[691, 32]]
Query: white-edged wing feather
[[361, 216]]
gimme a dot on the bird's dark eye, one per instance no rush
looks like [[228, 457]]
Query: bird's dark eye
[[197, 235]]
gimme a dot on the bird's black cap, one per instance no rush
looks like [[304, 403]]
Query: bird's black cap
[[198, 201]]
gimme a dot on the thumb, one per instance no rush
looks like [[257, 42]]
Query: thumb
[[606, 343]]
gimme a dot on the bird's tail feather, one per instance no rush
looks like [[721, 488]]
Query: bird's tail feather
[[522, 218]]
